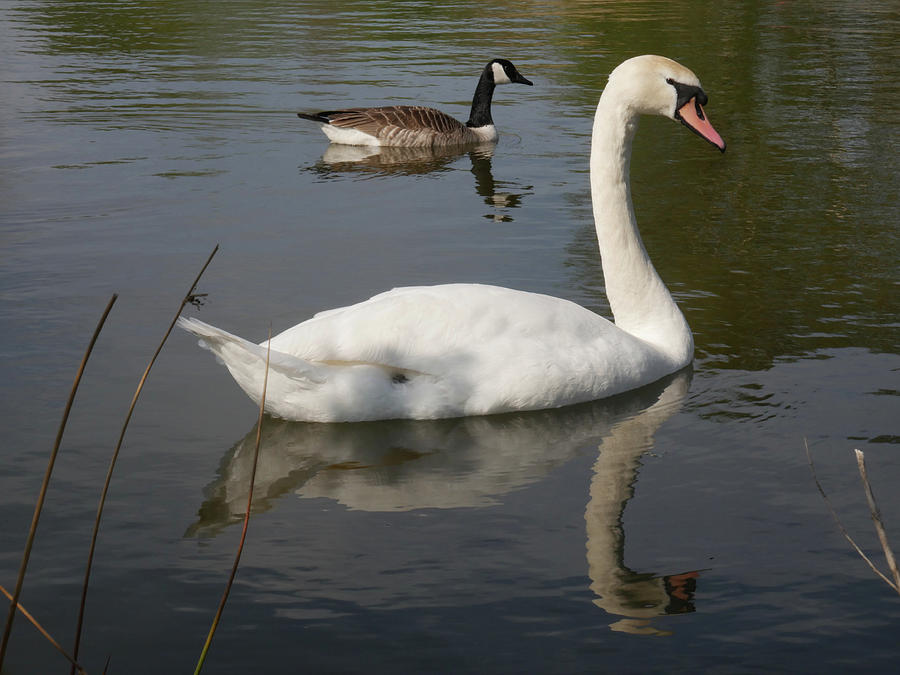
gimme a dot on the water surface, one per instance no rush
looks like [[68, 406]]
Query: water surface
[[676, 528]]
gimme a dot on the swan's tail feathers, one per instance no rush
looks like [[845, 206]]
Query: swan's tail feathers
[[246, 361], [211, 338]]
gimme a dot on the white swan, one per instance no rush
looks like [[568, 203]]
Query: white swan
[[418, 126], [468, 349]]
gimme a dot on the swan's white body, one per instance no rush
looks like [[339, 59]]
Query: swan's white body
[[468, 349]]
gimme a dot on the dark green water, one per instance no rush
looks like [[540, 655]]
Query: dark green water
[[134, 136]]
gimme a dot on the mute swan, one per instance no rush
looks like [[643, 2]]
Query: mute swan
[[415, 126], [469, 349]]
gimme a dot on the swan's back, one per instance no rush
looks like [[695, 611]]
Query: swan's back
[[420, 326]]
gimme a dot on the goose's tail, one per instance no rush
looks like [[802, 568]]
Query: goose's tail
[[247, 362], [321, 117]]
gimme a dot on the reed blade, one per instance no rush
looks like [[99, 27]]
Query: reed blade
[[876, 519], [840, 525], [240, 549], [188, 298], [43, 631], [38, 507]]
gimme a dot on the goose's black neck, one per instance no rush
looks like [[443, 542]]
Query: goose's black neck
[[481, 102]]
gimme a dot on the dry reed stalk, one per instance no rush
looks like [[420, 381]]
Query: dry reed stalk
[[876, 518], [874, 511], [43, 631], [188, 298], [237, 557], [29, 542]]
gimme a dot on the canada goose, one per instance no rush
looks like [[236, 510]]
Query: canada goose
[[410, 126], [469, 349]]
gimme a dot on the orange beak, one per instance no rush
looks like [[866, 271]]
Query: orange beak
[[692, 116]]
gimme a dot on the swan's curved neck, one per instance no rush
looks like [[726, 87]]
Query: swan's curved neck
[[480, 114], [640, 302]]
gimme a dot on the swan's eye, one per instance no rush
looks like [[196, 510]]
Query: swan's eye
[[670, 80]]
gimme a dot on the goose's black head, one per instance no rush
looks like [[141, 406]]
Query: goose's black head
[[498, 71], [502, 71]]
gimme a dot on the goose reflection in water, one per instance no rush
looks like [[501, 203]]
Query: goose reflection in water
[[373, 162], [469, 462], [499, 195]]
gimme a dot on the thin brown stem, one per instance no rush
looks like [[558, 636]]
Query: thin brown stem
[[237, 557], [876, 518], [840, 525], [189, 297], [34, 622], [29, 542]]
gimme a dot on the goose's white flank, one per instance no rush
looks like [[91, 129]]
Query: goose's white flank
[[468, 349], [418, 126]]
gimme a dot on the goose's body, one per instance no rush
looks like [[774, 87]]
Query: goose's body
[[468, 349], [418, 126]]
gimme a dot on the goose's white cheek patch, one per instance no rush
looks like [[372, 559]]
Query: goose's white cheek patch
[[500, 75]]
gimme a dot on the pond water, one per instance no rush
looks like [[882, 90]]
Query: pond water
[[677, 528]]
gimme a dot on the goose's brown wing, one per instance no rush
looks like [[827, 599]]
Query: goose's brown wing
[[408, 117]]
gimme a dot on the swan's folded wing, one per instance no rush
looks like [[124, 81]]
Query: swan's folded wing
[[441, 329]]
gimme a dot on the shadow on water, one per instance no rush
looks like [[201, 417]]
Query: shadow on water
[[404, 465], [365, 162]]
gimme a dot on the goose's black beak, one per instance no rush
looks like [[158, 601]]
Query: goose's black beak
[[518, 79]]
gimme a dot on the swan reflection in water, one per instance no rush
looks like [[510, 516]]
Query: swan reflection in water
[[404, 465], [375, 161]]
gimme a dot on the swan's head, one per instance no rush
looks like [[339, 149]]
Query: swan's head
[[655, 85], [501, 71]]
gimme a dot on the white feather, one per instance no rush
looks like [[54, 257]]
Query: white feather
[[500, 76], [349, 136]]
